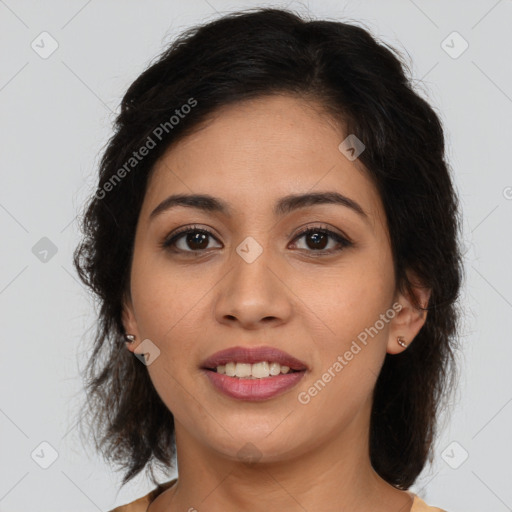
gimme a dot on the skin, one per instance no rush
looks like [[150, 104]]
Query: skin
[[312, 456]]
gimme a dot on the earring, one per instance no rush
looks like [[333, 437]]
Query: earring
[[401, 342], [130, 338]]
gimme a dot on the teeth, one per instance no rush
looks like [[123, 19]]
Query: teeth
[[275, 368], [243, 370], [259, 370], [230, 369]]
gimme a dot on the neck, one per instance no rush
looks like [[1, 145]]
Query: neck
[[332, 474]]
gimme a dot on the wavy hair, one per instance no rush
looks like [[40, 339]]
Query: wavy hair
[[365, 86]]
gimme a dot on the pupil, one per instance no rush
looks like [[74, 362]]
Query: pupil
[[315, 237], [199, 238]]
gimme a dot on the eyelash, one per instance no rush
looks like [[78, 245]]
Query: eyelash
[[169, 242]]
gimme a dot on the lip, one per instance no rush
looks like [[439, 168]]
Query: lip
[[253, 355], [253, 389]]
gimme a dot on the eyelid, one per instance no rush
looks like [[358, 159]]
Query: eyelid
[[295, 232], [340, 238], [321, 227], [168, 243], [170, 239]]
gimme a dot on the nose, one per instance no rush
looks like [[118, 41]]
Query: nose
[[254, 294]]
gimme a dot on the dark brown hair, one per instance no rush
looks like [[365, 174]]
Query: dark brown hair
[[363, 85]]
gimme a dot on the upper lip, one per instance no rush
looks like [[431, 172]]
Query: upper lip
[[253, 355]]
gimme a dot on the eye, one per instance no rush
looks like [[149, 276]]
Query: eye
[[197, 239], [317, 238]]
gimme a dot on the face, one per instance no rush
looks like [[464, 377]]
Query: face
[[249, 278]]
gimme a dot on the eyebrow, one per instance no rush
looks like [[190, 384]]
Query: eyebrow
[[283, 206]]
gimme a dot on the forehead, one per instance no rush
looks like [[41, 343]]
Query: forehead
[[265, 132], [254, 152]]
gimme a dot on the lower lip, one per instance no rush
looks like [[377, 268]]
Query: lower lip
[[254, 389]]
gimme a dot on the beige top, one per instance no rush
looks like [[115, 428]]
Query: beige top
[[142, 504]]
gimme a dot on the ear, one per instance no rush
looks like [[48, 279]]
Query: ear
[[130, 324], [409, 320]]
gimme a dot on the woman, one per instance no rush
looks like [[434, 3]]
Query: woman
[[274, 242]]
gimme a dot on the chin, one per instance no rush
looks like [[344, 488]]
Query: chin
[[255, 449]]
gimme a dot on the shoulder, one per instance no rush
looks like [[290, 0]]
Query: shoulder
[[420, 506], [141, 504]]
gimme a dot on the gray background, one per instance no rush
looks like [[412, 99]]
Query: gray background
[[56, 117]]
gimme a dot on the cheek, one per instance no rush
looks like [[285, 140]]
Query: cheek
[[351, 327], [160, 291], [351, 348], [349, 298], [172, 308], [360, 305]]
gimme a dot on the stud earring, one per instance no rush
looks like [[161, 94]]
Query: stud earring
[[130, 338], [401, 342]]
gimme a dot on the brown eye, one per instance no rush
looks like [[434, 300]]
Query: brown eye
[[194, 240], [318, 238]]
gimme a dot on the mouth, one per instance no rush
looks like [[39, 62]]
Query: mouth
[[245, 360], [253, 373], [259, 370]]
